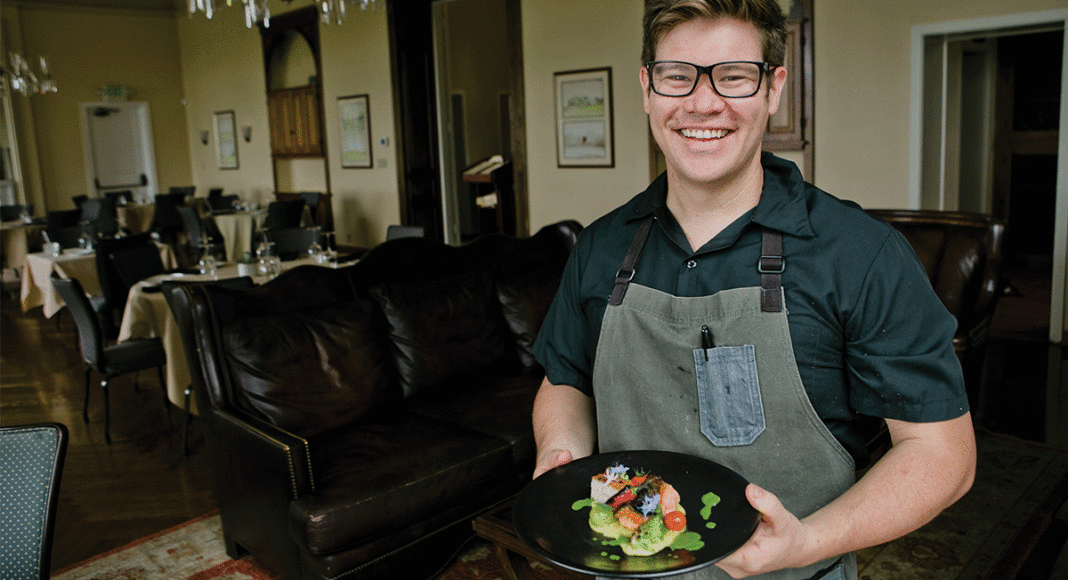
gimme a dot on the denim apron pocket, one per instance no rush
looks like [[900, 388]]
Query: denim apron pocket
[[728, 391]]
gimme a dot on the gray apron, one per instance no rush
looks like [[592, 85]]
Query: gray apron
[[740, 403]]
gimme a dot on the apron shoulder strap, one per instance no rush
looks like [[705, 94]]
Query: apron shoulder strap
[[771, 267], [626, 270]]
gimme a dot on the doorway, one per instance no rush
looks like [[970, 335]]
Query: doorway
[[119, 151], [986, 137], [458, 87]]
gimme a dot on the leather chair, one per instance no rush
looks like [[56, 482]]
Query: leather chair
[[31, 467], [962, 255], [394, 232], [283, 214], [113, 290], [137, 263], [126, 357], [292, 243], [203, 233], [101, 214], [178, 302]]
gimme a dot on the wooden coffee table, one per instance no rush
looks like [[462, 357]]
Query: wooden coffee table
[[496, 526]]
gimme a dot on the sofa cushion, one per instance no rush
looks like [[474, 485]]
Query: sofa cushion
[[525, 297], [309, 371], [376, 478], [498, 407], [440, 329]]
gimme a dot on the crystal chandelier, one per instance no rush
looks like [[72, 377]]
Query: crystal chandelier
[[25, 81], [334, 10], [255, 10]]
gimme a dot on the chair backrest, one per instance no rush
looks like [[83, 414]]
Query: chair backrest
[[112, 286], [63, 217], [961, 253], [166, 216], [14, 212], [67, 236], [191, 220], [394, 232], [222, 202], [215, 192], [31, 467], [291, 243], [79, 200], [183, 191], [136, 264], [102, 215], [312, 199], [284, 214], [90, 335]]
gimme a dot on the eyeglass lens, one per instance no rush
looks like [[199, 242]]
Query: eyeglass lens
[[729, 79]]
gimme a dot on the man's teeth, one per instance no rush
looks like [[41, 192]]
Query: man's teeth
[[704, 133]]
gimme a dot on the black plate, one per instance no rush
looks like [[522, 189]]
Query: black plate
[[545, 521]]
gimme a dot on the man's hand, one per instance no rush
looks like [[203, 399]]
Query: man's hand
[[779, 536], [551, 458]]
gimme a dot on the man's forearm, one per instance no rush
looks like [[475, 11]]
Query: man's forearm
[[929, 467], [563, 421]]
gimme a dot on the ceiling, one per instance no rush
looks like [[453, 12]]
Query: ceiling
[[150, 5]]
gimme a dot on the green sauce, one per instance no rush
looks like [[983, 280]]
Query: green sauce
[[582, 503], [688, 541], [710, 500], [710, 525]]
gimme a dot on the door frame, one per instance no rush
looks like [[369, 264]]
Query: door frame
[[924, 36], [148, 153]]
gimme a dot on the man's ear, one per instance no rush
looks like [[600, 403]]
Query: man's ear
[[777, 82], [643, 77]]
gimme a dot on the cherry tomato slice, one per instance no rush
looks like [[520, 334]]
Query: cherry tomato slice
[[675, 521]]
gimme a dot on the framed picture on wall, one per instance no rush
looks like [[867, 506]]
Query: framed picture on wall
[[355, 116], [226, 139], [584, 118]]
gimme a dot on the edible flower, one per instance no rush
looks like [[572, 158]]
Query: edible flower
[[649, 504], [613, 473]]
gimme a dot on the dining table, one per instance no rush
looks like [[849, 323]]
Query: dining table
[[148, 315], [76, 263], [237, 229], [18, 238]]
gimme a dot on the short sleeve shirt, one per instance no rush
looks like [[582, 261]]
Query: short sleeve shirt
[[871, 338]]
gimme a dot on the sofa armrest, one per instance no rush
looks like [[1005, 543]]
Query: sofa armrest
[[255, 449]]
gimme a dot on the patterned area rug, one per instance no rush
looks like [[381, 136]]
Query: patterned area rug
[[989, 534]]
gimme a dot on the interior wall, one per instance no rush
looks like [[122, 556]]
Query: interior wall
[[576, 35], [140, 52], [862, 84]]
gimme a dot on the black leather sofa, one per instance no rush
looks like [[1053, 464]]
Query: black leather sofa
[[358, 418]]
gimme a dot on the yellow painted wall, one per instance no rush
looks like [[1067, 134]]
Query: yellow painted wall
[[86, 50]]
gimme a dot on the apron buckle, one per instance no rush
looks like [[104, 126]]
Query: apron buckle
[[771, 265]]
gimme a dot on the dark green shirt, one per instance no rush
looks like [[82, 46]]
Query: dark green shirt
[[870, 336]]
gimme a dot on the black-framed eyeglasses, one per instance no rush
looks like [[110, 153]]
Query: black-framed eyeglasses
[[734, 79]]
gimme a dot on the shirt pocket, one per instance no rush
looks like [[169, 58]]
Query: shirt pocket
[[728, 392]]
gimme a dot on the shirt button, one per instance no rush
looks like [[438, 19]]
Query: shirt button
[[691, 264]]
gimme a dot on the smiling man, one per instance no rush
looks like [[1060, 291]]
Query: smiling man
[[734, 312]]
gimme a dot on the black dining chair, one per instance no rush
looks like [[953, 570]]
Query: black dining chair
[[101, 214], [394, 232], [292, 243], [165, 219], [63, 217], [178, 301], [137, 263], [124, 197], [113, 289], [203, 232], [31, 467], [15, 212], [123, 358], [185, 191], [284, 214], [68, 236], [222, 203], [215, 192]]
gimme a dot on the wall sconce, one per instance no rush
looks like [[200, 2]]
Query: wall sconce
[[246, 133], [204, 137]]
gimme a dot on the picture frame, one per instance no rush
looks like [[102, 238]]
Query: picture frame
[[584, 129], [354, 116], [225, 126]]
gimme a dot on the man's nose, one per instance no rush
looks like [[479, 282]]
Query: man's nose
[[704, 96]]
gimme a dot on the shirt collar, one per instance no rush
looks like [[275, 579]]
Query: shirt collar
[[782, 204]]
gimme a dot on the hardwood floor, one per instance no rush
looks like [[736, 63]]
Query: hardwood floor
[[112, 494], [143, 483]]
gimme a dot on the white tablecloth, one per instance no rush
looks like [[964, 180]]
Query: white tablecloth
[[37, 289], [237, 229]]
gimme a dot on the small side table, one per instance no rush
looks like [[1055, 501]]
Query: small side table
[[496, 526]]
